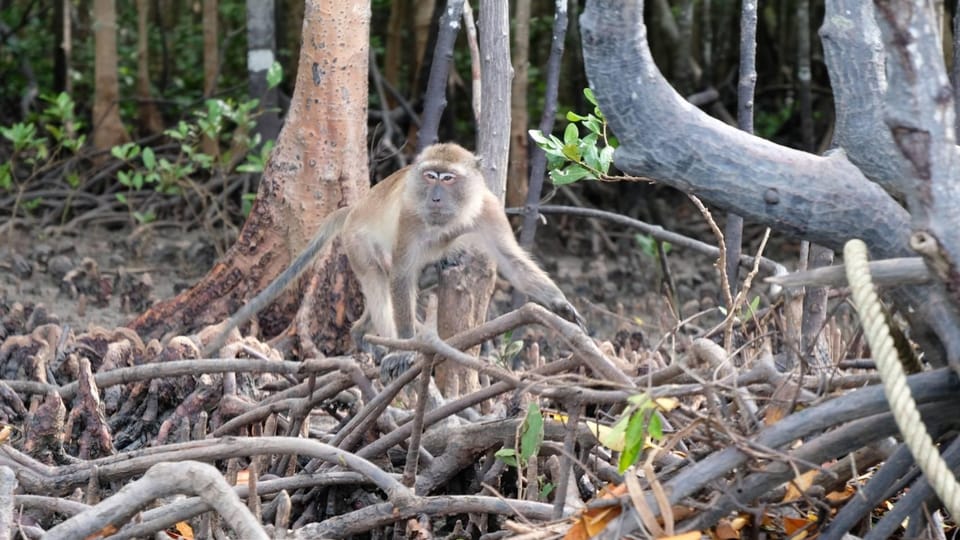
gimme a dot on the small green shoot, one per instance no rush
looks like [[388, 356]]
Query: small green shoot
[[640, 422]]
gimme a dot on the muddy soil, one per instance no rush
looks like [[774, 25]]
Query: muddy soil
[[106, 277]]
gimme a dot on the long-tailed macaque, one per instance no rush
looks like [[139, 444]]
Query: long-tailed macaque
[[410, 219]]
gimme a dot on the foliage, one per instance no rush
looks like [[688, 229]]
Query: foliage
[[507, 350], [748, 311], [52, 135], [577, 158], [236, 149], [47, 144], [531, 437], [650, 245], [640, 422]]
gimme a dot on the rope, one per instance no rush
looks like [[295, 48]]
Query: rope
[[902, 404]]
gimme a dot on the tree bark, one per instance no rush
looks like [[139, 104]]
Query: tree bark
[[394, 50], [319, 164], [151, 123], [517, 175], [435, 97], [108, 130], [465, 289], [61, 46], [261, 53], [210, 48], [211, 59], [827, 199]]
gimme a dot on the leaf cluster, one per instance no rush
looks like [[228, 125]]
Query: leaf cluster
[[577, 158]]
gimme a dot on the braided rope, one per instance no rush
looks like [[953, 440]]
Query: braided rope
[[902, 404]]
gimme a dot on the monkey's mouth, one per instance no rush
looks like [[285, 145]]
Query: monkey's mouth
[[437, 217]]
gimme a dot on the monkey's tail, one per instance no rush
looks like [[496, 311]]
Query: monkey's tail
[[329, 229]]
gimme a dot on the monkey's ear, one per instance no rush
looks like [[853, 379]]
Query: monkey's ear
[[477, 162]]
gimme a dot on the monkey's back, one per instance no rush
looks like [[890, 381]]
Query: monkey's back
[[370, 231]]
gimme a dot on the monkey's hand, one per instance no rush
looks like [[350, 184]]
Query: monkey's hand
[[565, 309], [394, 364]]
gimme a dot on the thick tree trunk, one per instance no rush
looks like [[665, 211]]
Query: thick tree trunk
[[319, 164], [465, 289], [108, 130], [827, 200]]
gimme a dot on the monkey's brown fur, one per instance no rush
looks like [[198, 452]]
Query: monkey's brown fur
[[412, 218]]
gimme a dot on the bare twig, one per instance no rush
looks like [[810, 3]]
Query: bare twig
[[656, 231], [162, 480]]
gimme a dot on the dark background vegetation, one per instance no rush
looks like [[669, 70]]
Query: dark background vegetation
[[32, 68]]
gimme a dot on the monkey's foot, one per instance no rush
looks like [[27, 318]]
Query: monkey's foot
[[394, 364]]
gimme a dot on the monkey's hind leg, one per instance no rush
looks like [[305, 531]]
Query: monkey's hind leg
[[395, 364], [361, 327]]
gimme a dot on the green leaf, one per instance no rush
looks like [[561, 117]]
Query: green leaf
[[274, 74], [633, 440], [606, 159], [616, 432], [149, 159], [574, 117], [125, 151], [588, 93], [571, 135], [21, 134], [551, 146], [571, 151], [6, 177], [202, 160], [124, 178], [545, 490], [591, 156], [648, 245], [655, 426], [179, 133], [73, 179], [513, 349], [247, 203], [538, 137], [143, 218], [55, 131], [531, 436], [138, 180], [593, 124], [571, 174], [122, 198], [507, 455]]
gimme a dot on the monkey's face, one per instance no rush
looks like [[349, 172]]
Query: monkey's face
[[445, 186], [440, 193]]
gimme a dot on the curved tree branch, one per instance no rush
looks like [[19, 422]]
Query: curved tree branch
[[824, 199]]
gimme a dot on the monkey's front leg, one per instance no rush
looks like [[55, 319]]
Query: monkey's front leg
[[403, 293]]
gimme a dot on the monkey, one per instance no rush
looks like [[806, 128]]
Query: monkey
[[412, 218]]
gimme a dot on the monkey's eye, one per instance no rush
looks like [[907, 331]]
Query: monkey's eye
[[431, 176], [447, 177]]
